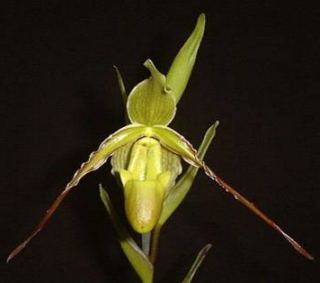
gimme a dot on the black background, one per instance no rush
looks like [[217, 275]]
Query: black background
[[256, 73]]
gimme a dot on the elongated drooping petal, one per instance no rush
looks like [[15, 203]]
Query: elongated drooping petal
[[96, 160], [181, 68], [256, 211], [135, 255], [178, 144]]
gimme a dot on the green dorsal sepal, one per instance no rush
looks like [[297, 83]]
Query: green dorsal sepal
[[151, 102]]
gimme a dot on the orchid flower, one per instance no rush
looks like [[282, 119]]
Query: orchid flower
[[146, 157]]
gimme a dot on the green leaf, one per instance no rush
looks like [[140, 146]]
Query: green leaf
[[180, 190], [151, 102], [121, 85], [181, 68], [135, 255], [97, 158], [197, 264]]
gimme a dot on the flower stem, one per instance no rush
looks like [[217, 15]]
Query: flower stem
[[146, 239], [155, 244]]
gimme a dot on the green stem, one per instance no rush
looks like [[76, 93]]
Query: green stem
[[155, 244], [146, 239]]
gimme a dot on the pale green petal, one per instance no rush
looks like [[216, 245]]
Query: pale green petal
[[135, 255], [176, 143], [181, 68], [151, 102], [120, 138], [180, 190], [197, 264]]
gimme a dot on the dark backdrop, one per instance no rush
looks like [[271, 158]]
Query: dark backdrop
[[256, 73]]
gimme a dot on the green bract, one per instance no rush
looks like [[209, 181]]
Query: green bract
[[146, 157], [181, 68]]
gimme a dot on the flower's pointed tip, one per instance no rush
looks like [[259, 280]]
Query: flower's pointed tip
[[208, 246], [149, 64], [202, 19], [8, 259], [101, 191], [152, 68], [201, 23], [214, 126]]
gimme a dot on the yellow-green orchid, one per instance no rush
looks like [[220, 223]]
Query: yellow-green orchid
[[146, 156]]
